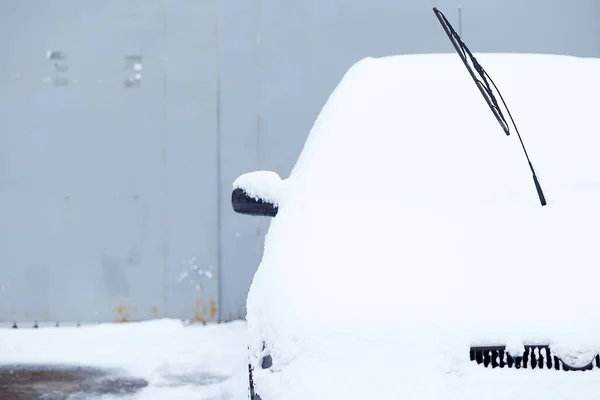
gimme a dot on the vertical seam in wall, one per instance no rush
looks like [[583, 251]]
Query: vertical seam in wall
[[164, 142], [218, 169]]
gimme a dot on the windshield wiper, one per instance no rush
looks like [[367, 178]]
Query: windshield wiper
[[485, 89]]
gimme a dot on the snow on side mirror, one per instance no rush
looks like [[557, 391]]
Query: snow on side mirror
[[256, 193]]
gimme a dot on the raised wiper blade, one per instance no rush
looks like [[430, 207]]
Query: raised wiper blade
[[466, 56], [481, 80]]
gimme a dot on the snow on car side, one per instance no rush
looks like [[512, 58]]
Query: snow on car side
[[409, 257]]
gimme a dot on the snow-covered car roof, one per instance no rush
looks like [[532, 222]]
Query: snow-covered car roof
[[411, 219]]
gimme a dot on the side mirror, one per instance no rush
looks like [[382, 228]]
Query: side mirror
[[255, 193], [244, 204]]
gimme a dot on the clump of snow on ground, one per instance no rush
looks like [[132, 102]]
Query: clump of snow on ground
[[410, 229], [181, 362]]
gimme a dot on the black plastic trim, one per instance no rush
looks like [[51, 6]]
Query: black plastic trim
[[242, 203], [497, 357]]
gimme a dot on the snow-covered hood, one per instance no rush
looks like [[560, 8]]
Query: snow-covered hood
[[409, 207]]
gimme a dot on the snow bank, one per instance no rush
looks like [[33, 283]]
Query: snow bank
[[410, 219], [179, 362]]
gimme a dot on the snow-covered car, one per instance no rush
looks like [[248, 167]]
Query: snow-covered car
[[409, 257]]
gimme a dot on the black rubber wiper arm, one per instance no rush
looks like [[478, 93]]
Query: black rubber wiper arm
[[485, 89]]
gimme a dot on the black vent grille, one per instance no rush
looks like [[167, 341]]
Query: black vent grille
[[534, 357]]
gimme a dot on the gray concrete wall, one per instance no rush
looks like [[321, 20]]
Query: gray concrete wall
[[114, 191], [107, 179]]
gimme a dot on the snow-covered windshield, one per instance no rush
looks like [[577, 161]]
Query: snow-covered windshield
[[416, 123]]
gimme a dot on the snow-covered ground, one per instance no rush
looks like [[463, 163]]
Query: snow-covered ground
[[179, 361]]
